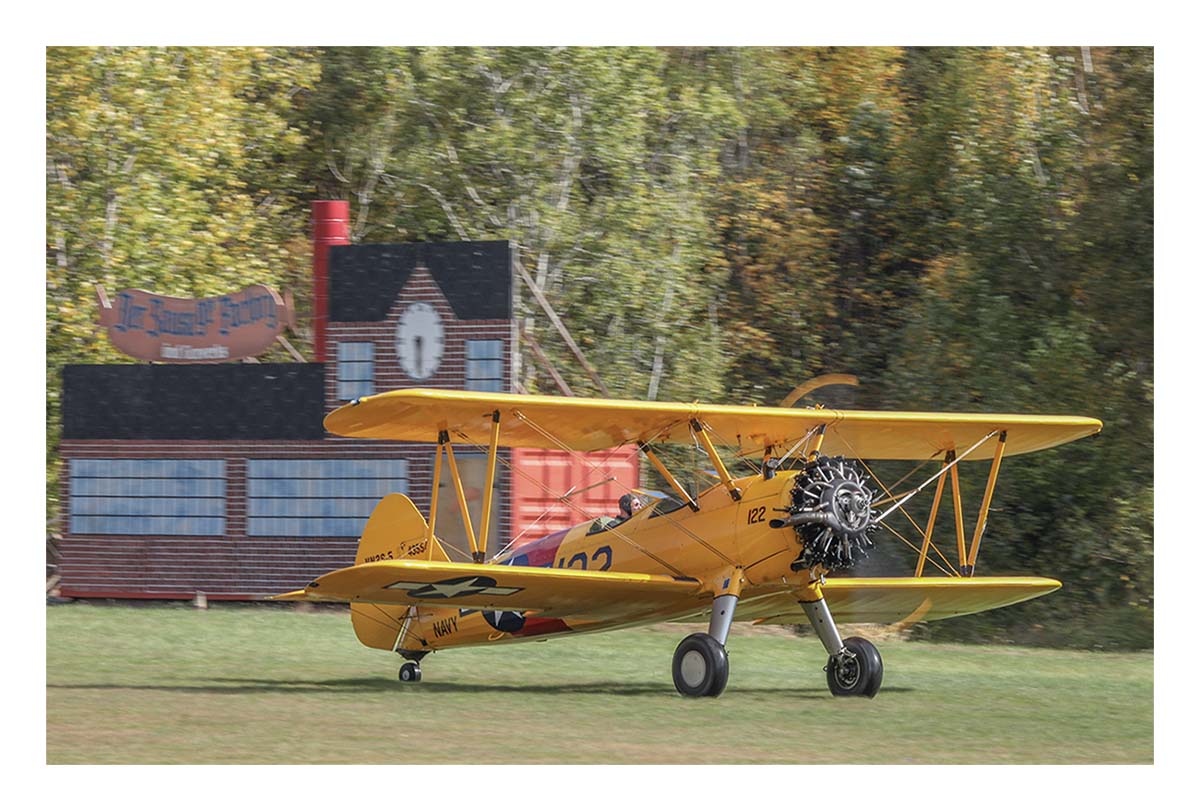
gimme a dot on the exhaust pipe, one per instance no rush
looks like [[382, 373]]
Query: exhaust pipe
[[796, 519]]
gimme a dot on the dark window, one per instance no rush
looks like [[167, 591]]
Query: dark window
[[147, 497]]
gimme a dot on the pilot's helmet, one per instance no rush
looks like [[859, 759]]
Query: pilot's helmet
[[626, 504]]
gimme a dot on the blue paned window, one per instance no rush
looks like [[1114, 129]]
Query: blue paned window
[[315, 498], [147, 497], [355, 369], [485, 366]]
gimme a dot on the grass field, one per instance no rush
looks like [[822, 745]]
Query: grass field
[[273, 685]]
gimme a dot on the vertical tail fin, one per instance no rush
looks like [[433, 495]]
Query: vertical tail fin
[[396, 530]]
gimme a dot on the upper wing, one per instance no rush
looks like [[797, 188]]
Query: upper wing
[[911, 599], [585, 424], [557, 592]]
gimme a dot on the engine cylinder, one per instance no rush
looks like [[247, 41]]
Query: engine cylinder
[[831, 513]]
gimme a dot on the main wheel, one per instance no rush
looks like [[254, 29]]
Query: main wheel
[[410, 672], [856, 672], [700, 667]]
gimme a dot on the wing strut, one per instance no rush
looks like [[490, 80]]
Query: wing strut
[[487, 488], [950, 462], [615, 532], [937, 502], [476, 555], [816, 448], [941, 473], [778, 463], [666, 474], [713, 457], [981, 522], [433, 500], [959, 533]]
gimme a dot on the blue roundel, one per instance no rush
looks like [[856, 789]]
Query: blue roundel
[[507, 621]]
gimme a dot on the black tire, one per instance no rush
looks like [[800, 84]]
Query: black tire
[[410, 672], [700, 666], [860, 676]]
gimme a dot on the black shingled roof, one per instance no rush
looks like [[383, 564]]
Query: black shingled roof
[[475, 277], [201, 401]]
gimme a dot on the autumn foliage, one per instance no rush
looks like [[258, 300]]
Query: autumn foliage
[[961, 228]]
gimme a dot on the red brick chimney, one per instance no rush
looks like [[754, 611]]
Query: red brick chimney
[[331, 226]]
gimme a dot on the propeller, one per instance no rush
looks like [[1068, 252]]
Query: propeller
[[812, 384]]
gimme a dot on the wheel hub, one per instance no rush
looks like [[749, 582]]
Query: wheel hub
[[846, 669], [693, 668]]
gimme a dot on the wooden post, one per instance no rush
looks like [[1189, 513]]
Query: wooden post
[[546, 364], [558, 324], [296, 356]]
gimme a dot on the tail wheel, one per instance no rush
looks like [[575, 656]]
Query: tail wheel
[[700, 667], [856, 671], [410, 672]]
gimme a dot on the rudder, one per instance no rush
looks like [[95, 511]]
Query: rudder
[[396, 530]]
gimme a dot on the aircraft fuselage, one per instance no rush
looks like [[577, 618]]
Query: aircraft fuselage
[[723, 539]]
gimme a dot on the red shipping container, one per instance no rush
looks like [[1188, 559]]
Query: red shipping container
[[541, 479]]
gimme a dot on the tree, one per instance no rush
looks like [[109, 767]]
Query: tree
[[811, 217], [594, 161], [1040, 188], [963, 228], [169, 168]]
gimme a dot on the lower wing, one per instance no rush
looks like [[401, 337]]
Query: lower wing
[[913, 599], [554, 592], [610, 595]]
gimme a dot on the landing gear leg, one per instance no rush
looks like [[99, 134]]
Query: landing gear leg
[[855, 667], [701, 666]]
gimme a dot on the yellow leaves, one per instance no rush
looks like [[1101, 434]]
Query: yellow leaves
[[151, 157]]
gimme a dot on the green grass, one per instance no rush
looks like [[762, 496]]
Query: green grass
[[273, 685]]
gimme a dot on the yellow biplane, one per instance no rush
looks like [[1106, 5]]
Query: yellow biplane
[[755, 548]]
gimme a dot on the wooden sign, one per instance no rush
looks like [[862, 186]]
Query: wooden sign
[[183, 330]]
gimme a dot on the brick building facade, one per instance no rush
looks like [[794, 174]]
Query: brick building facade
[[219, 478]]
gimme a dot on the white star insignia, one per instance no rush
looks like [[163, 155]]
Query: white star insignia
[[457, 587]]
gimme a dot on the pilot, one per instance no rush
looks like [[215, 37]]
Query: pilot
[[628, 505]]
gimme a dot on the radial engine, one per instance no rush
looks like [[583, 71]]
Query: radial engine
[[831, 514]]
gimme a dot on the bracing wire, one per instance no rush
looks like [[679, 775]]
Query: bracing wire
[[903, 511], [914, 548], [594, 468]]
